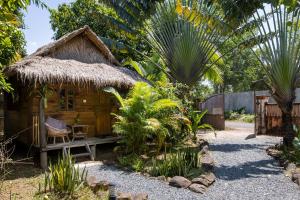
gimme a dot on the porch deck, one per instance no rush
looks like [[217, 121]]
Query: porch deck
[[91, 141]]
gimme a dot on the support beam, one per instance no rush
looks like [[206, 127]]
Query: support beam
[[43, 141], [93, 151]]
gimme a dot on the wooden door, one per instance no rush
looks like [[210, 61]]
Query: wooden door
[[103, 115]]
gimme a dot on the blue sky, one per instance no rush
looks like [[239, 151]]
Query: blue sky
[[38, 29]]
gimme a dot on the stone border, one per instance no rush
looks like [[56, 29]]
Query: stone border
[[201, 183], [291, 170]]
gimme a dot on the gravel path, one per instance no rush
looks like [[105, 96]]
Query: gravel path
[[243, 170]]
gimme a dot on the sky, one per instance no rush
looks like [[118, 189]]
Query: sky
[[38, 30]]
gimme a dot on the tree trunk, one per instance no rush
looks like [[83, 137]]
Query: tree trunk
[[43, 142], [287, 128], [287, 122]]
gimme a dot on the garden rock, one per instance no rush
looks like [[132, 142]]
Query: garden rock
[[205, 179], [124, 196], [169, 179], [210, 177], [140, 196], [198, 188], [180, 182], [161, 178], [207, 161], [274, 152], [204, 150], [201, 181], [290, 169], [296, 178], [202, 143]]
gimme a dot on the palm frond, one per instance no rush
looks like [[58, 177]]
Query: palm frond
[[186, 37], [115, 93]]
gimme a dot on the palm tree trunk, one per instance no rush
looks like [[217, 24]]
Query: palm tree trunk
[[287, 124]]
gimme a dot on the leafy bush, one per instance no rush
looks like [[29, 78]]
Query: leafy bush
[[133, 161], [179, 163], [63, 177], [239, 115], [196, 117], [247, 118], [146, 116]]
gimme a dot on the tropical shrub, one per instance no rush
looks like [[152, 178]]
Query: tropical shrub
[[63, 177], [196, 117], [239, 115], [179, 163], [133, 161], [145, 116]]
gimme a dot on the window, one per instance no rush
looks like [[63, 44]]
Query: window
[[66, 99]]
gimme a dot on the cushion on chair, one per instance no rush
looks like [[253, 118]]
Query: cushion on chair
[[57, 124]]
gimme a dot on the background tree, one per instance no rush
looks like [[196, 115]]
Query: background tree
[[186, 35], [241, 68], [279, 57], [11, 37], [118, 23]]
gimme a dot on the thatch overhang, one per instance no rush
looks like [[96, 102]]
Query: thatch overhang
[[43, 70], [42, 67]]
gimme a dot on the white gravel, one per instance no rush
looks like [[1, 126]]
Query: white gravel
[[243, 170]]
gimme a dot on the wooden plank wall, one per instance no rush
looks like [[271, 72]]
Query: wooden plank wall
[[273, 118], [95, 112]]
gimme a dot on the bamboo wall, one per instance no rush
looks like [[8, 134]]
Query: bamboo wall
[[273, 118]]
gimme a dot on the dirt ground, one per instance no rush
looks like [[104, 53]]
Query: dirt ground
[[22, 182]]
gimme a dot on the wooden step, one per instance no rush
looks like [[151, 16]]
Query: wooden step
[[81, 155], [88, 153]]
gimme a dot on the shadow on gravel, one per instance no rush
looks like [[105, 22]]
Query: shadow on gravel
[[256, 169], [235, 147]]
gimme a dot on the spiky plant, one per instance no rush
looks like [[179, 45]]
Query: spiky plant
[[278, 28], [185, 34]]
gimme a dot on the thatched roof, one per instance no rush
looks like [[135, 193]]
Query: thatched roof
[[51, 70], [87, 31], [41, 68]]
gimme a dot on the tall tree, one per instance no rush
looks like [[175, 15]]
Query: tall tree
[[186, 35], [118, 23], [280, 57]]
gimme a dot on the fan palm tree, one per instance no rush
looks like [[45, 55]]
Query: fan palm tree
[[280, 57], [185, 34]]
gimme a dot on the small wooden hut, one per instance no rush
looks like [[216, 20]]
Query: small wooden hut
[[69, 74]]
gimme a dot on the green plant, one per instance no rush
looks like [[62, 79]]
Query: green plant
[[196, 117], [63, 177], [279, 47], [179, 163], [133, 161], [185, 35], [145, 116]]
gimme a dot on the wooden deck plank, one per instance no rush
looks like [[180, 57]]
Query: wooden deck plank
[[81, 143]]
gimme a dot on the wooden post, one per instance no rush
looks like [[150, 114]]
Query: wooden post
[[93, 150], [43, 141]]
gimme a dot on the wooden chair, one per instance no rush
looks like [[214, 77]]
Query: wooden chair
[[80, 131], [57, 128]]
